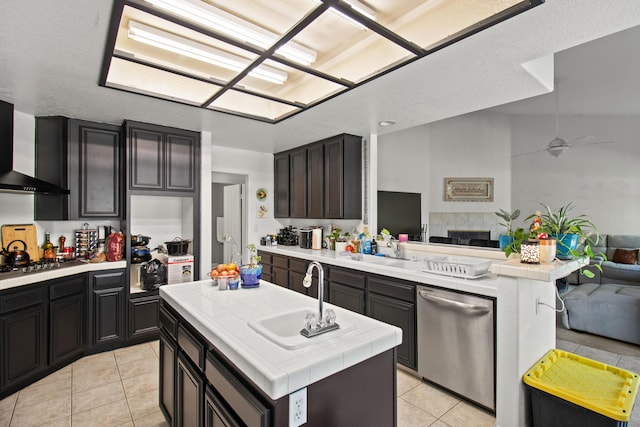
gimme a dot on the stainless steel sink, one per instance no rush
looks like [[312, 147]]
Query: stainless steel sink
[[393, 262], [284, 329]]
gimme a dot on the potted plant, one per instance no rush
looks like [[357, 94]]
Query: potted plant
[[570, 231], [250, 273], [508, 218]]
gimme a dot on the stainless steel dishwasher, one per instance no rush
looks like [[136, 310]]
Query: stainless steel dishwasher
[[456, 343]]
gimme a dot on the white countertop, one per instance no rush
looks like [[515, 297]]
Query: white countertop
[[222, 318], [76, 267], [486, 285]]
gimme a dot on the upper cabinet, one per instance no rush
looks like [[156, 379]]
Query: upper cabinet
[[320, 180], [161, 158], [85, 157]]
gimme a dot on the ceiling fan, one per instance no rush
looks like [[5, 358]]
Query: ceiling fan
[[558, 145]]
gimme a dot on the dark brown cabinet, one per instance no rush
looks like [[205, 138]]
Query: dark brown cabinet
[[143, 317], [281, 185], [86, 158], [216, 413], [168, 357], [189, 393], [298, 183], [67, 318], [108, 309], [347, 289], [320, 180], [23, 329], [343, 177], [161, 158], [394, 302]]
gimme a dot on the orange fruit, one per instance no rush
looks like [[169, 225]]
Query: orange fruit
[[230, 267], [220, 268], [214, 273]]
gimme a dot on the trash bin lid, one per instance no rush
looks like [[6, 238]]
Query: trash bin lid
[[601, 388]]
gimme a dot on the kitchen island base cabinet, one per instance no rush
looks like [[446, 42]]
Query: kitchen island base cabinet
[[220, 394]]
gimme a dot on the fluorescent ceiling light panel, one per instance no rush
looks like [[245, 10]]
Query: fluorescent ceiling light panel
[[363, 9], [201, 52], [232, 26]]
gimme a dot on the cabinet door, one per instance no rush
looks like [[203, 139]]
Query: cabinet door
[[24, 350], [280, 276], [99, 153], [143, 317], [298, 184], [347, 297], [66, 328], [189, 394], [145, 158], [295, 282], [315, 181], [167, 350], [401, 314], [281, 185], [333, 179], [216, 414], [109, 315], [180, 157]]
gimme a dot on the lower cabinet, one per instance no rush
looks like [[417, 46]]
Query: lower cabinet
[[216, 413], [189, 393], [67, 318], [394, 303], [108, 307], [347, 289], [143, 317], [168, 357], [23, 323]]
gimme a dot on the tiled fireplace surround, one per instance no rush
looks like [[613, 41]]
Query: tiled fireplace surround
[[441, 222]]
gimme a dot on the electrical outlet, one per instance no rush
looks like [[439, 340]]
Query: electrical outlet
[[298, 408]]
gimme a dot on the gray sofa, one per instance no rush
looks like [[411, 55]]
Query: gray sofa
[[612, 272], [609, 303]]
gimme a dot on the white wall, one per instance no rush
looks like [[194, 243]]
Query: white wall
[[259, 169], [473, 145], [603, 181]]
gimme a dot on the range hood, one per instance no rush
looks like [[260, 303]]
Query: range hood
[[10, 180]]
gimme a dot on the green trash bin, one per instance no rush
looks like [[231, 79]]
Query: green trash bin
[[571, 390]]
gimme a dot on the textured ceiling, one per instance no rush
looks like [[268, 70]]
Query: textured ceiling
[[52, 54]]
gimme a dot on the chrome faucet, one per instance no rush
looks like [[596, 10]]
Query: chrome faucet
[[395, 248], [318, 324]]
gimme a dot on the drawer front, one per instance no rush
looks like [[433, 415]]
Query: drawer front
[[168, 322], [348, 278], [278, 261], [15, 300], [236, 395], [67, 286], [392, 288], [107, 280], [265, 258], [298, 265], [191, 346]]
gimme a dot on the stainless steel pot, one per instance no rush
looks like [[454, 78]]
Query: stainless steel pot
[[16, 257]]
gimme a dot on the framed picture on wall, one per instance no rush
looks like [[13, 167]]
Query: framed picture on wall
[[468, 189]]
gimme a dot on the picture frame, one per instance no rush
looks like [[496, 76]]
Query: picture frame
[[468, 189]]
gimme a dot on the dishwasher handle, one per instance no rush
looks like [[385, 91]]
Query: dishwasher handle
[[444, 302]]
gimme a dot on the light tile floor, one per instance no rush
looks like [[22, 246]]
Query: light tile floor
[[120, 388]]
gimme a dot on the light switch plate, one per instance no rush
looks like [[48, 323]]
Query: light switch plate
[[298, 408]]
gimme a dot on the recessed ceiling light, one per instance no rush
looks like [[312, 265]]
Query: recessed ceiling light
[[387, 122]]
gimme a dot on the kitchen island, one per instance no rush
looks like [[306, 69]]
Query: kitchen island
[[524, 294], [226, 369]]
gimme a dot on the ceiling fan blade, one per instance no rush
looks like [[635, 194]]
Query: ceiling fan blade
[[580, 140], [594, 143], [527, 153]]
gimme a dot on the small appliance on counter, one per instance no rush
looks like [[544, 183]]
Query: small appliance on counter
[[305, 238], [288, 236], [179, 268]]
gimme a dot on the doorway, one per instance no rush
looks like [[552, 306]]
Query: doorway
[[229, 220]]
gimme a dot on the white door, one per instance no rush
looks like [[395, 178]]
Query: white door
[[233, 223]]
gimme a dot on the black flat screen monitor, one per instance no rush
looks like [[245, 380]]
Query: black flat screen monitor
[[400, 213]]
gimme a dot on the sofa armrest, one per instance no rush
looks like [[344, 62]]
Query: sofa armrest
[[624, 274]]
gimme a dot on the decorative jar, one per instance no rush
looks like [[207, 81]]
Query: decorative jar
[[530, 252]]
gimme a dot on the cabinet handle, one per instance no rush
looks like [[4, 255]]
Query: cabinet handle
[[476, 309]]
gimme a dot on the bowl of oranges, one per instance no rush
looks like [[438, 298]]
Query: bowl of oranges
[[225, 272]]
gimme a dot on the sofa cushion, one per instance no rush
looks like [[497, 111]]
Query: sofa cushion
[[625, 256], [614, 272], [621, 241]]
